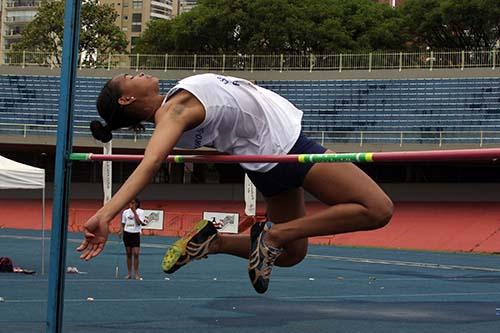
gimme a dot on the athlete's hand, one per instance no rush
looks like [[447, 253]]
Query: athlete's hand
[[95, 231]]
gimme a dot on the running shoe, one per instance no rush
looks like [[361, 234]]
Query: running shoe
[[262, 257], [194, 245]]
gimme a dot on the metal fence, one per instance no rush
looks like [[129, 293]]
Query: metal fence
[[281, 62], [403, 138], [361, 138]]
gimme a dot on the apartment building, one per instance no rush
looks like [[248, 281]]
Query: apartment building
[[185, 5], [14, 16], [134, 15]]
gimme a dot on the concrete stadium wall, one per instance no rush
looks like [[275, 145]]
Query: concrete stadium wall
[[401, 192]]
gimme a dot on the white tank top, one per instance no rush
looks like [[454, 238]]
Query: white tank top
[[240, 118]]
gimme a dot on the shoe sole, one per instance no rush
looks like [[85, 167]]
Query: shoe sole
[[254, 235], [179, 247]]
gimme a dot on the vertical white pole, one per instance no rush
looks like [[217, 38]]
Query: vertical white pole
[[107, 182], [250, 197], [107, 172], [43, 226]]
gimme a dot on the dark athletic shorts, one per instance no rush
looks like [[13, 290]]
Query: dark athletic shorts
[[286, 176], [132, 239]]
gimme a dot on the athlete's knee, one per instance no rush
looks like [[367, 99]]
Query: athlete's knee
[[380, 212]]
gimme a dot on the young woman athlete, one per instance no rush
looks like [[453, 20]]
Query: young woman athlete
[[130, 231], [236, 117]]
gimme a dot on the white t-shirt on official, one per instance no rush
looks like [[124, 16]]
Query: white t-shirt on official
[[241, 118], [128, 220]]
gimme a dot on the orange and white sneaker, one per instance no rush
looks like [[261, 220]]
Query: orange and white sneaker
[[194, 245], [262, 257]]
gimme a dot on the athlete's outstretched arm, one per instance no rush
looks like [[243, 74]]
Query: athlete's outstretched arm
[[171, 123]]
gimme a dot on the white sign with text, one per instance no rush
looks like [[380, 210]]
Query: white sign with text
[[224, 222], [154, 219]]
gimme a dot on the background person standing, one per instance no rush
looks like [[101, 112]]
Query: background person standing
[[132, 221]]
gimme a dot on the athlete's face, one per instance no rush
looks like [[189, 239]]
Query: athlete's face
[[132, 204], [137, 86], [137, 92]]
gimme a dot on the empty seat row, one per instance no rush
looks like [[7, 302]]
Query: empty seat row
[[329, 105]]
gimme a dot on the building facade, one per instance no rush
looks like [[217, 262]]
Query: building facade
[[185, 5], [134, 15], [15, 15]]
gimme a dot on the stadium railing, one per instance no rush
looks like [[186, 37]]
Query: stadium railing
[[361, 138], [429, 60]]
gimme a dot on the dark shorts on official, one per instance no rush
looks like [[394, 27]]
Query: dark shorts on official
[[132, 239], [286, 176]]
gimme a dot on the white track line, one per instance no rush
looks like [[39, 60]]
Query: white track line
[[403, 263], [321, 257]]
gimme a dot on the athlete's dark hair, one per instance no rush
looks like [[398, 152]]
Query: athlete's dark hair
[[112, 112]]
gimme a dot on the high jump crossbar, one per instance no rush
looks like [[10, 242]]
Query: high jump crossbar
[[486, 154]]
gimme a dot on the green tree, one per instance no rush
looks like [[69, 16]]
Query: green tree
[[98, 33], [455, 24], [157, 38], [276, 26]]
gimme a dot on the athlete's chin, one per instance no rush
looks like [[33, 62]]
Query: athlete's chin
[[156, 83]]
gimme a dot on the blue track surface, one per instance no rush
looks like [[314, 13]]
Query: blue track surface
[[333, 290]]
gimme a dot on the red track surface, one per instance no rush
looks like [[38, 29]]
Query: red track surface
[[450, 226]]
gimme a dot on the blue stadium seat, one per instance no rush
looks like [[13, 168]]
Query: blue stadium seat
[[461, 104]]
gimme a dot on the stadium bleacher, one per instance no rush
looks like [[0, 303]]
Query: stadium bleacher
[[419, 105], [395, 105]]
